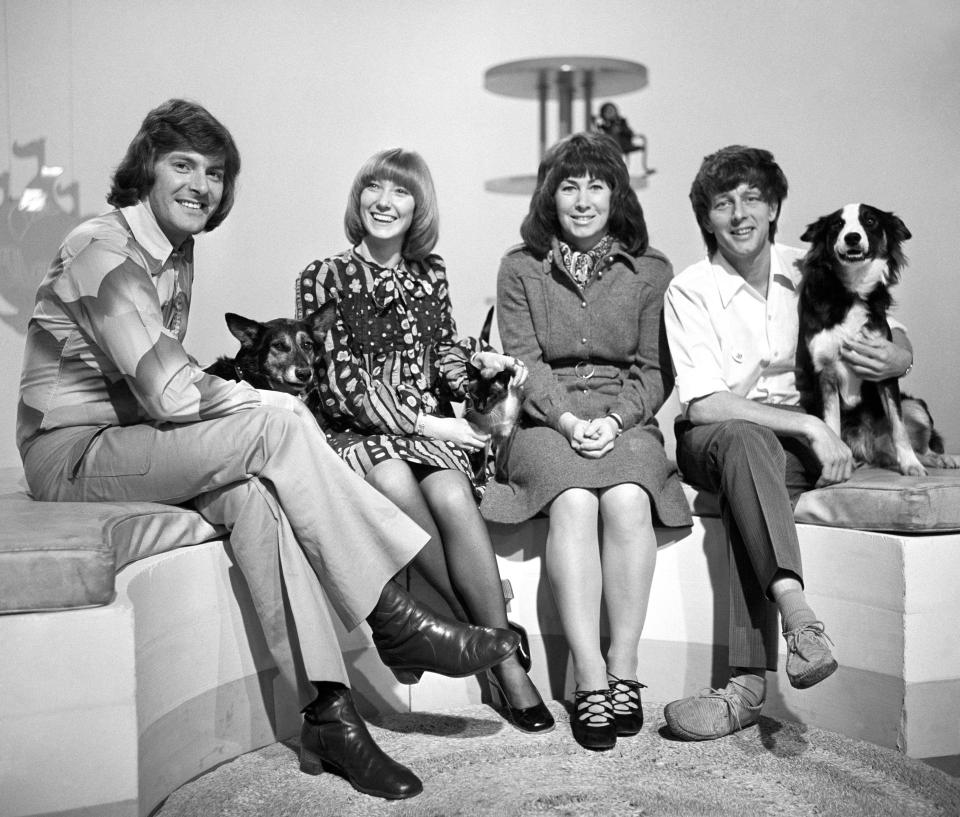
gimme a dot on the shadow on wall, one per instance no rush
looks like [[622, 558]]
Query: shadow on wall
[[32, 225]]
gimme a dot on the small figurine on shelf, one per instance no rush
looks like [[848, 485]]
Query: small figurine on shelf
[[611, 123]]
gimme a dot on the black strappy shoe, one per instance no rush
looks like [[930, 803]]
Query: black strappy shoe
[[627, 709], [592, 720]]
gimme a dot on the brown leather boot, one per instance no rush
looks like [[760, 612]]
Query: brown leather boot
[[411, 639], [335, 738]]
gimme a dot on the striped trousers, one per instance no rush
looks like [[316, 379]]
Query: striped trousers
[[758, 475]]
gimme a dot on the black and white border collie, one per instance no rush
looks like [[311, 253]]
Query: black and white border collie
[[854, 259]]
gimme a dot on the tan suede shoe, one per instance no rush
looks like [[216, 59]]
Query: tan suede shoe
[[809, 659], [712, 714]]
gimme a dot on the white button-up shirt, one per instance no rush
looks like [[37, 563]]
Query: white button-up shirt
[[725, 336]]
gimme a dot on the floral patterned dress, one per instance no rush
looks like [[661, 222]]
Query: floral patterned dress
[[392, 353]]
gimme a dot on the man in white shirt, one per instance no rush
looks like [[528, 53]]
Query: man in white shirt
[[732, 326]]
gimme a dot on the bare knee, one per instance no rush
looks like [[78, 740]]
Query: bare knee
[[575, 505], [626, 506]]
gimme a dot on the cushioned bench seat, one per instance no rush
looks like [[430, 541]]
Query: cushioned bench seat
[[55, 556], [120, 681]]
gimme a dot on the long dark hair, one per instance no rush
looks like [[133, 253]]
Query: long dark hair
[[584, 154], [177, 124]]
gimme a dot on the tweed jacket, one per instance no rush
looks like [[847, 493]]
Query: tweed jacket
[[593, 351], [612, 330]]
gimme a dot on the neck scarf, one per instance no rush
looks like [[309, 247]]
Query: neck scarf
[[580, 265]]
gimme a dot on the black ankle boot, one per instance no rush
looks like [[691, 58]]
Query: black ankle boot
[[335, 738], [411, 639]]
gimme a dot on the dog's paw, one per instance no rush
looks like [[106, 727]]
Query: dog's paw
[[912, 469], [933, 460]]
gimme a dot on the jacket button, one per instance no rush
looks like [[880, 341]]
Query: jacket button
[[583, 304]]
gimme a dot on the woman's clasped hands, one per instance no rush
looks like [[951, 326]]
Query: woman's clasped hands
[[590, 438]]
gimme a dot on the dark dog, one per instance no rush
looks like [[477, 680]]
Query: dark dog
[[870, 439], [855, 258], [277, 355]]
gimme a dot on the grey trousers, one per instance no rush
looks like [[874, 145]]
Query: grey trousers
[[758, 476], [299, 518]]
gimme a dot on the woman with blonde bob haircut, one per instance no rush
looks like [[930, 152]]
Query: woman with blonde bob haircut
[[408, 170], [392, 368]]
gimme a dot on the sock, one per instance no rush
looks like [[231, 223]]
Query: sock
[[794, 610], [750, 683]]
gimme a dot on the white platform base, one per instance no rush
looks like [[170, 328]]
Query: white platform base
[[888, 602], [105, 711]]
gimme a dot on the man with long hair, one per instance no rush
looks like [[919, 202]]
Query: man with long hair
[[112, 408]]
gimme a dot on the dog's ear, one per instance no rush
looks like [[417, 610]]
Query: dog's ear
[[896, 230], [245, 330], [817, 229], [320, 320], [487, 325]]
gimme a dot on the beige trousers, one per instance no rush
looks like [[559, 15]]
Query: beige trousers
[[299, 518]]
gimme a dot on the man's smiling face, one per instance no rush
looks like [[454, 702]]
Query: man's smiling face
[[740, 221], [186, 192]]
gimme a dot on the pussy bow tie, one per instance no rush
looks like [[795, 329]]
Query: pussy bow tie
[[390, 284]]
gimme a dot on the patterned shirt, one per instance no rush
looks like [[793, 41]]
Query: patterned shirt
[[393, 351], [104, 344]]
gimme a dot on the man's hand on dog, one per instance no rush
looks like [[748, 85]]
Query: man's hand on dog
[[872, 357], [836, 459], [491, 364]]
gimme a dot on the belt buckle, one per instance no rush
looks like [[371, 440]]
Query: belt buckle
[[584, 376]]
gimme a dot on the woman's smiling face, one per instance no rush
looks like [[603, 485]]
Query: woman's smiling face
[[386, 209], [583, 210]]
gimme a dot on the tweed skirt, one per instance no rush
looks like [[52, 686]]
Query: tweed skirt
[[539, 465]]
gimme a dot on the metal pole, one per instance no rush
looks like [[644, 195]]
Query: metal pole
[[565, 101], [542, 94], [588, 100]]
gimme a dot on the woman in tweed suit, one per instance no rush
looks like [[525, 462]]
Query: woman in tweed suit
[[581, 303]]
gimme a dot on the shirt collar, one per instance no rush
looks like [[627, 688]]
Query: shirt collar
[[147, 233], [729, 282]]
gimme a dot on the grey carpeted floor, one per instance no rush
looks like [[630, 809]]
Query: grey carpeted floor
[[473, 763]]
